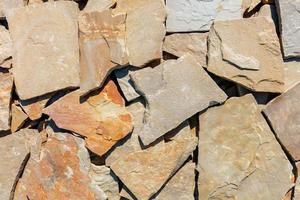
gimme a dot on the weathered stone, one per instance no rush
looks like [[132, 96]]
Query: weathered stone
[[174, 91], [14, 155], [198, 15], [6, 84], [283, 113], [240, 158], [102, 118], [98, 5], [5, 45], [297, 186], [7, 5], [137, 111], [34, 2], [126, 84], [6, 64], [289, 18], [260, 70], [33, 141], [45, 38], [144, 176], [61, 172], [152, 13], [18, 118], [291, 74], [102, 46], [193, 43], [250, 5], [105, 182], [181, 185]]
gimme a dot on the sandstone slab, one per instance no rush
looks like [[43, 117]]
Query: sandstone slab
[[232, 57], [198, 15], [152, 13], [289, 18], [45, 38], [6, 49], [102, 118], [174, 91], [283, 113], [193, 43], [18, 118], [144, 176], [7, 5], [98, 5], [6, 85], [291, 73], [297, 186], [14, 155], [240, 158]]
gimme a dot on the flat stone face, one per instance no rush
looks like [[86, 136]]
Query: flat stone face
[[174, 91], [240, 157], [198, 15], [181, 185], [151, 36], [102, 118], [45, 38], [232, 57], [18, 117], [61, 173], [14, 155], [284, 115], [7, 5], [144, 176], [297, 186], [289, 17], [6, 84], [98, 5], [5, 45], [193, 43], [291, 74]]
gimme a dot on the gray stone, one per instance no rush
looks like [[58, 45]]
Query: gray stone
[[174, 91], [198, 15]]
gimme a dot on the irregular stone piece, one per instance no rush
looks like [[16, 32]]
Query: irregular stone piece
[[152, 13], [102, 118], [231, 53], [18, 118], [291, 73], [7, 5], [105, 181], [144, 176], [61, 172], [126, 84], [289, 18], [174, 91], [250, 5], [283, 113], [181, 185], [14, 155], [193, 43], [198, 15], [98, 5], [240, 158], [45, 38], [6, 84], [297, 186], [6, 64], [102, 46], [5, 45]]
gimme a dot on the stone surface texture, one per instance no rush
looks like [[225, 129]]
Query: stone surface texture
[[7, 5], [45, 39], [167, 88], [6, 85], [6, 49], [231, 53], [240, 158], [98, 5], [18, 118], [291, 73]]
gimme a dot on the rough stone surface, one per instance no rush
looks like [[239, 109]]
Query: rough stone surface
[[144, 176], [289, 18], [5, 45], [102, 118], [240, 158], [61, 172], [153, 13], [198, 15], [98, 5], [126, 83], [45, 38], [6, 84], [14, 155], [18, 117], [7, 5], [291, 74], [297, 186], [283, 113], [174, 91], [231, 54], [193, 43]]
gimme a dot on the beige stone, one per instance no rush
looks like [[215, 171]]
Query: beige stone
[[98, 5], [145, 29], [5, 45], [6, 84], [7, 64], [297, 186], [193, 43], [291, 73], [18, 118], [240, 158], [45, 38], [249, 5], [6, 6], [247, 52]]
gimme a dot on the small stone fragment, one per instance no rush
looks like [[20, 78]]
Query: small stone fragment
[[289, 18], [240, 158], [145, 171], [198, 15], [193, 43], [6, 84], [45, 38], [98, 5], [102, 118], [5, 45], [18, 118], [283, 113], [231, 53], [174, 91], [291, 73]]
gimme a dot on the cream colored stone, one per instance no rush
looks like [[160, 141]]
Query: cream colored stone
[[6, 6], [98, 5], [5, 45], [291, 73], [6, 85]]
